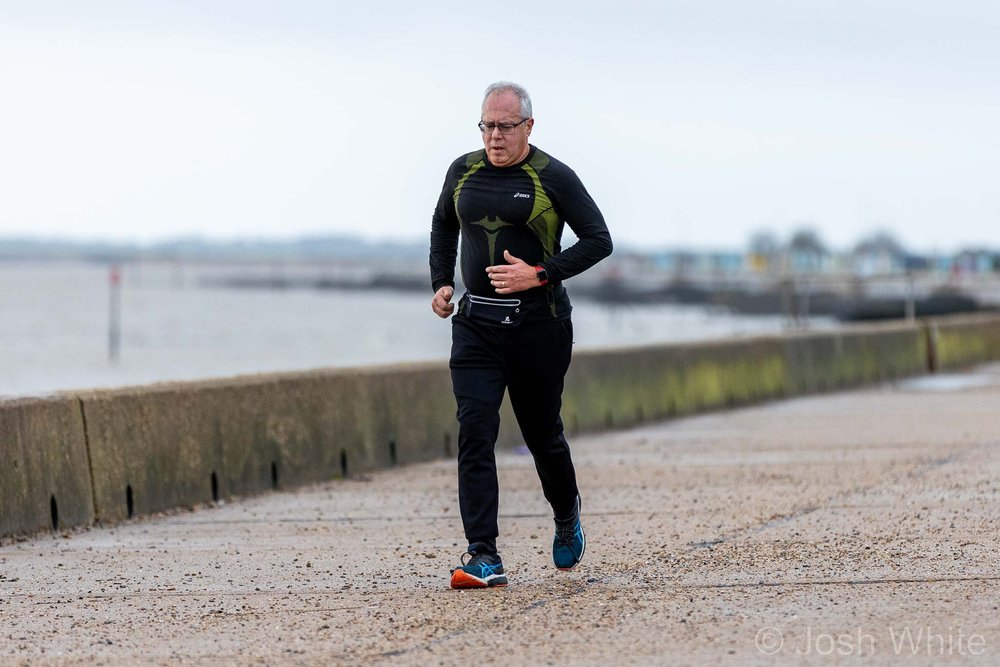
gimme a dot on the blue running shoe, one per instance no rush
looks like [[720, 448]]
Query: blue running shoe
[[483, 570], [570, 542]]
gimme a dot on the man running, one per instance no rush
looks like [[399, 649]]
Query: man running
[[510, 202]]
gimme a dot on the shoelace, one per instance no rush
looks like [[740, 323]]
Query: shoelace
[[462, 560], [566, 532], [472, 558]]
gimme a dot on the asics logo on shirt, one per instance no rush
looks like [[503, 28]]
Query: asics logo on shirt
[[522, 194]]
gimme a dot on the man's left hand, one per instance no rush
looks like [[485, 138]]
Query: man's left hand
[[516, 276]]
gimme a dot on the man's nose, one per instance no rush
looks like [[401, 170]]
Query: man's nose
[[496, 132]]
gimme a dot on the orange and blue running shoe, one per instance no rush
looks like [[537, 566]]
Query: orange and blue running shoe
[[483, 569]]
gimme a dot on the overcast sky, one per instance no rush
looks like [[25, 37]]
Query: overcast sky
[[691, 123]]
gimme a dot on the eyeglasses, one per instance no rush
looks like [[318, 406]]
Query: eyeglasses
[[505, 128]]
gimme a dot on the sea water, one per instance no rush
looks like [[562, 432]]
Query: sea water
[[177, 323]]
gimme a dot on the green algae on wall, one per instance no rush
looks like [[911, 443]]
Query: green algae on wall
[[962, 341]]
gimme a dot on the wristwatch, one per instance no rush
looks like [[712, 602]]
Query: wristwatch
[[543, 275]]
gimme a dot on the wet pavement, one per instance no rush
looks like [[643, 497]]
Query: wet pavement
[[820, 530]]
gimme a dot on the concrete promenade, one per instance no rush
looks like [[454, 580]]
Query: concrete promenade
[[817, 530]]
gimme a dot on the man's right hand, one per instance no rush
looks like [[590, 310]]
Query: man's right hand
[[441, 304]]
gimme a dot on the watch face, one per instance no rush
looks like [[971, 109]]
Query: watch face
[[543, 275]]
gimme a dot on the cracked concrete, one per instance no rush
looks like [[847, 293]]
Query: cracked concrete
[[816, 530]]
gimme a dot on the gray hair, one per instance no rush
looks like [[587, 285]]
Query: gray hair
[[509, 87]]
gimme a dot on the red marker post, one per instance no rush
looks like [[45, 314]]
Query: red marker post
[[114, 314]]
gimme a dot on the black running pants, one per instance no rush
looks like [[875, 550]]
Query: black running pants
[[530, 362]]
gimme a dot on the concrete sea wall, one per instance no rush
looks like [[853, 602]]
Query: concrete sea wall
[[45, 473], [106, 456], [956, 342], [615, 388]]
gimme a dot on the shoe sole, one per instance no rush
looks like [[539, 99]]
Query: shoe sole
[[582, 551], [460, 579]]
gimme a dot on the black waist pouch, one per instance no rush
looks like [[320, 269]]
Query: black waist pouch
[[495, 312]]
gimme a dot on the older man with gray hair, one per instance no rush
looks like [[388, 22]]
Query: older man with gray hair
[[509, 202]]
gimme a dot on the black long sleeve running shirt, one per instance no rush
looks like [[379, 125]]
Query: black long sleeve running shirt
[[520, 208]]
